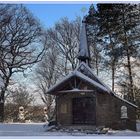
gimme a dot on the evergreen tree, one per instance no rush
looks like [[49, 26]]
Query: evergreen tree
[[129, 24], [93, 41], [118, 33], [108, 26]]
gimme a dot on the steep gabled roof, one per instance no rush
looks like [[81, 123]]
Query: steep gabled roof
[[86, 70], [85, 73], [81, 76]]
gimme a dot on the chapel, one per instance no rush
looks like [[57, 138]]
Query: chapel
[[83, 99]]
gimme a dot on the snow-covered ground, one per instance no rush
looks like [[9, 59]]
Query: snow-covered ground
[[38, 129]]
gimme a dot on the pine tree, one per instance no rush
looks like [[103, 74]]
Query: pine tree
[[93, 42], [118, 33], [129, 23], [108, 26]]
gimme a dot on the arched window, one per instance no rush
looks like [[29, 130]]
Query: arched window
[[124, 112]]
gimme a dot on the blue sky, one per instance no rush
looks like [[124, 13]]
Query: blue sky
[[48, 14]]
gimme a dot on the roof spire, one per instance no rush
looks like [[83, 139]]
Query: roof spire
[[84, 54]]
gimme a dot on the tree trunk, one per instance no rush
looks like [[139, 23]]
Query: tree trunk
[[97, 71], [2, 106], [131, 92], [113, 75], [2, 96], [130, 88], [112, 62]]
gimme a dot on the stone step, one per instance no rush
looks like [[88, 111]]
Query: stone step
[[88, 129], [79, 127]]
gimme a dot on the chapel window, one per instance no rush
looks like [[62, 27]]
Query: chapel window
[[124, 112]]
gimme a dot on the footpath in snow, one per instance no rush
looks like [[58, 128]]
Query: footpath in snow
[[38, 129]]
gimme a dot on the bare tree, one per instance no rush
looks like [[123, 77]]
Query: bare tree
[[19, 96], [65, 35], [47, 75], [59, 59], [21, 45]]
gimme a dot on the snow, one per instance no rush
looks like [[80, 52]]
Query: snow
[[75, 90], [61, 81], [125, 101], [21, 129], [90, 70], [38, 129], [80, 75], [124, 133]]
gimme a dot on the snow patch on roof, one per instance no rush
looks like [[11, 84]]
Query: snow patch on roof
[[124, 100], [80, 75], [83, 47], [89, 69], [62, 80], [75, 90]]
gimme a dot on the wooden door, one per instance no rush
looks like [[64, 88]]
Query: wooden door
[[83, 110]]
